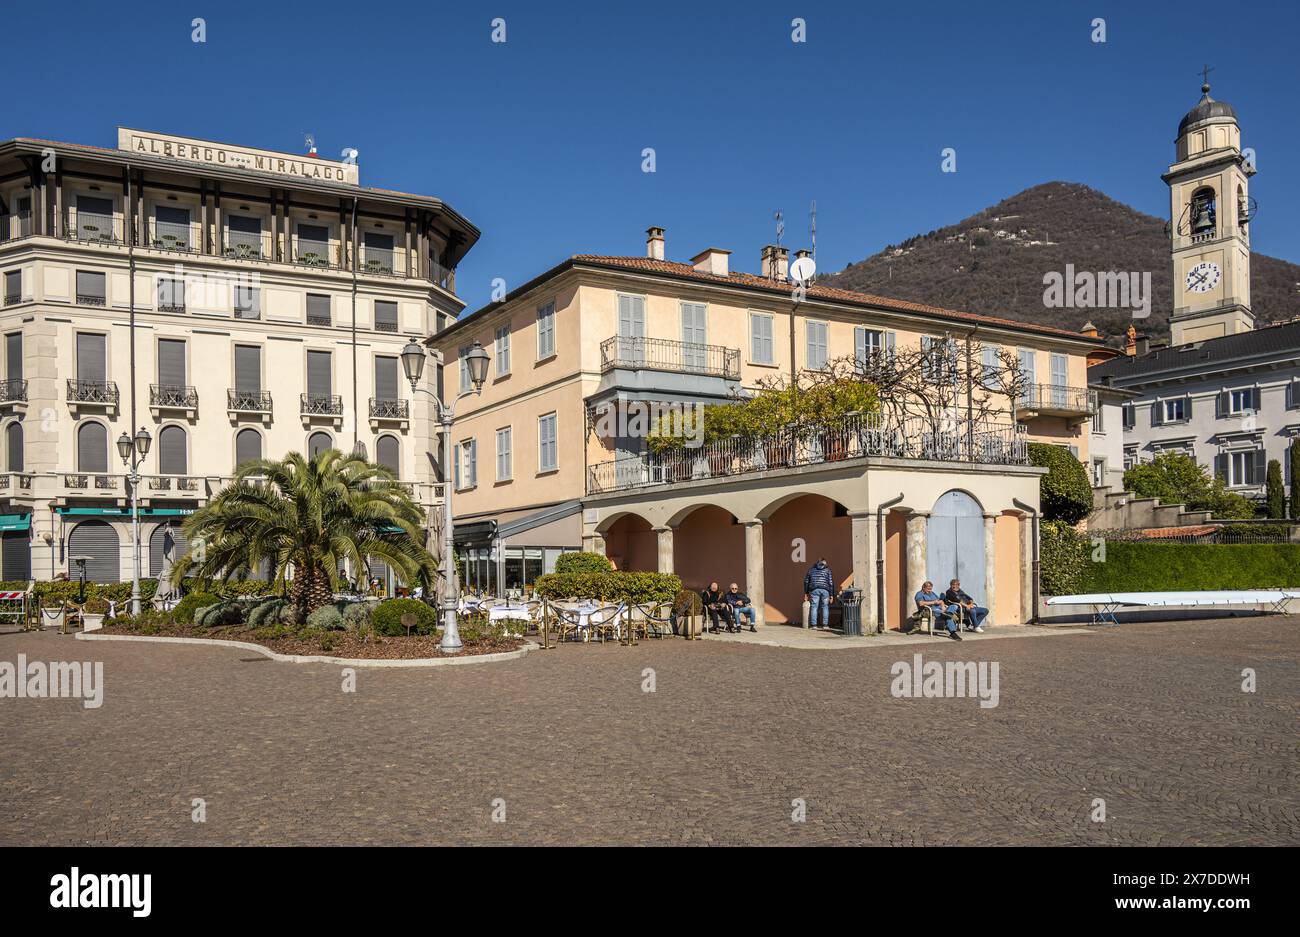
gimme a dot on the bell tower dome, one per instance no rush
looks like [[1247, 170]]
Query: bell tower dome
[[1210, 211]]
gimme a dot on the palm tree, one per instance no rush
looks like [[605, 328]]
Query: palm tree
[[304, 516]]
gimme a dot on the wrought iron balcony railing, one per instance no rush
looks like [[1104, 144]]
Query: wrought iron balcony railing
[[851, 437], [1056, 399], [12, 299], [378, 260], [319, 319], [93, 228], [316, 254], [174, 396], [91, 299], [248, 401], [381, 409], [101, 392], [170, 236], [83, 481], [13, 389], [179, 483], [661, 354], [247, 245], [321, 405]]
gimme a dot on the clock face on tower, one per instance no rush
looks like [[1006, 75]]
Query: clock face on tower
[[1203, 277]]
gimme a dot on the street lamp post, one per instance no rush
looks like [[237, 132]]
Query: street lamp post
[[133, 452], [476, 364]]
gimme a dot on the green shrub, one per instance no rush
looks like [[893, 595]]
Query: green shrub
[[265, 612], [582, 563], [1276, 493], [687, 603], [327, 618], [1135, 566], [97, 606], [358, 615], [388, 617], [183, 611], [1063, 559], [221, 614], [1065, 492], [1294, 455], [639, 588]]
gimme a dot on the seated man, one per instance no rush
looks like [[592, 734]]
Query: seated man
[[740, 605], [715, 606], [928, 598], [959, 602]]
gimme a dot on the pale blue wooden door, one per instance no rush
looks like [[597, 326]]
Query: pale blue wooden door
[[954, 540]]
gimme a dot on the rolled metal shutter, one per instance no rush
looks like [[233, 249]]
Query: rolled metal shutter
[[91, 358], [248, 445], [318, 443], [386, 315], [14, 446], [320, 381], [16, 555], [14, 356], [387, 453], [171, 362], [318, 306], [386, 378], [92, 448], [97, 540], [171, 451], [158, 542], [248, 368]]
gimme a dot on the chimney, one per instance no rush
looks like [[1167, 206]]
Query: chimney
[[711, 260], [1090, 330], [654, 243], [775, 264], [1143, 344], [1130, 348]]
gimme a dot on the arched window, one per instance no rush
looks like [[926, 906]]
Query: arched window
[[248, 445], [318, 443], [14, 446], [92, 448], [97, 541], [172, 459], [388, 454]]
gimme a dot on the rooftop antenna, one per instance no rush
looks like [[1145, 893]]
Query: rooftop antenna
[[779, 217], [310, 141], [812, 228]]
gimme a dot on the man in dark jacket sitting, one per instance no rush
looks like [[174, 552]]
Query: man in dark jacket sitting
[[740, 605], [962, 605], [715, 606]]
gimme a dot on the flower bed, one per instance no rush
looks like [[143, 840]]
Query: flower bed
[[315, 641]]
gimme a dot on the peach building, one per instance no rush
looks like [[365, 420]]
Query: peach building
[[537, 471]]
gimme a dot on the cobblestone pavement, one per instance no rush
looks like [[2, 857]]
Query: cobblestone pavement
[[1150, 717]]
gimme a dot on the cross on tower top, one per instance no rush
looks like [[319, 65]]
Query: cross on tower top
[[1205, 79]]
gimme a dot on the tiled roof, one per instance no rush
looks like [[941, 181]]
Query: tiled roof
[[1162, 533], [1282, 338], [831, 294]]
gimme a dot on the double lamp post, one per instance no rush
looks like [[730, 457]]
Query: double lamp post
[[133, 452], [475, 363]]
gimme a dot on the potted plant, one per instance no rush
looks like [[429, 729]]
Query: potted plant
[[92, 614]]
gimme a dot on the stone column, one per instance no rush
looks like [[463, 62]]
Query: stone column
[[665, 538], [863, 532], [915, 547], [593, 543], [990, 565], [1026, 568], [754, 568]]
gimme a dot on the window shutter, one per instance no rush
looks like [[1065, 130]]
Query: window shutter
[[1221, 467], [318, 307], [17, 556], [1259, 460], [92, 448], [14, 445], [386, 315], [1221, 404], [14, 356], [171, 451], [860, 344], [248, 445], [473, 462], [386, 454], [1256, 398], [1187, 407], [890, 340], [1158, 412], [91, 363], [97, 540], [318, 443], [320, 381], [248, 368], [386, 378], [171, 362]]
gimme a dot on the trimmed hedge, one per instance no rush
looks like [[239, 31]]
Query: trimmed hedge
[[184, 609], [1065, 491], [1063, 555], [327, 617], [582, 563], [1157, 567], [388, 617], [120, 592], [641, 588]]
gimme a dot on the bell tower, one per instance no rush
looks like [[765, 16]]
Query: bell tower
[[1210, 211]]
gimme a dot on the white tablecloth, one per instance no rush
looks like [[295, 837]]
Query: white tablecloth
[[508, 612]]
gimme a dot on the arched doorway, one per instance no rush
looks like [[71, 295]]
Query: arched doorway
[[632, 545], [709, 544], [795, 536], [954, 538], [98, 541]]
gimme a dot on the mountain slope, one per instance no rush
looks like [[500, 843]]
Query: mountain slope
[[993, 262]]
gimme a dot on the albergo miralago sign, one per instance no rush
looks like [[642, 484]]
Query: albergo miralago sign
[[240, 157]]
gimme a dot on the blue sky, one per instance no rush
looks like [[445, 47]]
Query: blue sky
[[538, 140]]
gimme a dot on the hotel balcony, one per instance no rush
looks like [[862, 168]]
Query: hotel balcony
[[174, 398], [321, 407], [15, 485], [389, 411], [835, 444], [13, 299], [170, 236], [642, 368], [13, 395], [255, 402], [92, 395], [321, 254], [15, 226], [92, 228], [1055, 400]]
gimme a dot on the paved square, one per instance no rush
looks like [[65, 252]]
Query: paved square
[[1150, 717]]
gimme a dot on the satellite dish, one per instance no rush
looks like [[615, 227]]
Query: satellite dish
[[802, 270]]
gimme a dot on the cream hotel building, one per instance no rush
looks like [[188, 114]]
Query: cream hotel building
[[234, 302]]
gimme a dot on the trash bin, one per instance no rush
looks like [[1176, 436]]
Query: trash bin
[[851, 610]]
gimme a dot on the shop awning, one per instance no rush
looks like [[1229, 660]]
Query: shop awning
[[125, 512], [15, 522]]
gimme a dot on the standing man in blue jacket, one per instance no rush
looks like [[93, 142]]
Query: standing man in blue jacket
[[819, 589]]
